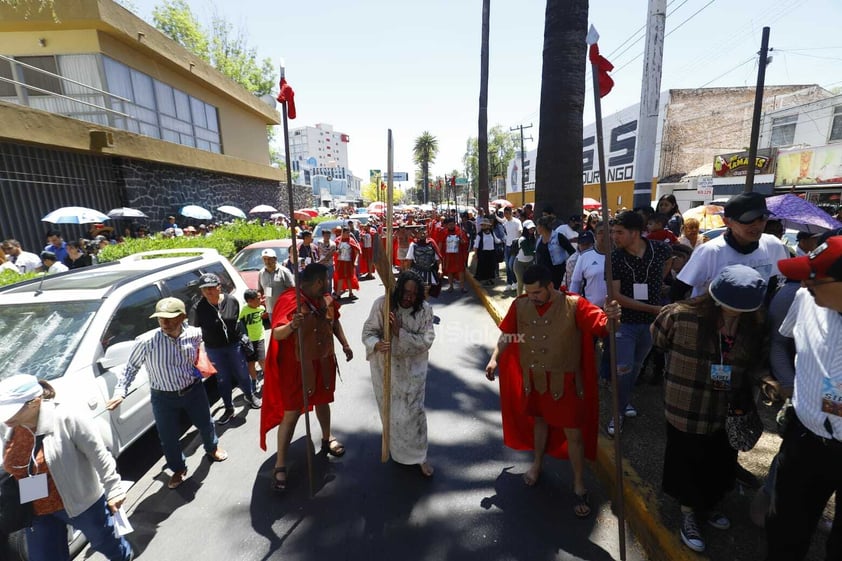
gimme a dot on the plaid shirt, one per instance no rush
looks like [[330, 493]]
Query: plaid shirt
[[691, 403]]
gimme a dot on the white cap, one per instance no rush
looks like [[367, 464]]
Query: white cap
[[528, 224], [15, 391], [268, 253]]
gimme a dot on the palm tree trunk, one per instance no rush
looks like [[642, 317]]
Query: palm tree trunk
[[558, 177], [482, 136], [425, 168]]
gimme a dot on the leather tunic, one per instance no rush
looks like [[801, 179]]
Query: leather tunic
[[551, 345]]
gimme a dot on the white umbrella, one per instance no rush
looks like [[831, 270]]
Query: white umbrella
[[75, 215], [232, 210], [126, 212], [279, 215], [195, 211], [262, 208]]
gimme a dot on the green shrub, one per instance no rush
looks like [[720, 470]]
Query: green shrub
[[227, 240], [11, 277]]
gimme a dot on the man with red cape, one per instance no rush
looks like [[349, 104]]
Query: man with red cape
[[453, 244], [283, 396], [368, 237], [548, 382], [344, 264]]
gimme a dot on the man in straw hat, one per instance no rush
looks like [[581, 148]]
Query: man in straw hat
[[170, 354]]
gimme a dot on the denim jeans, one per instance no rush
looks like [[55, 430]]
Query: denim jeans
[[230, 363], [509, 257], [46, 539], [634, 340], [167, 408]]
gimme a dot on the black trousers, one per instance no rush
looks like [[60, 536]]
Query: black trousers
[[809, 472]]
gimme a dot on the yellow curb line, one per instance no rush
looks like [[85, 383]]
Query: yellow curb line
[[641, 504]]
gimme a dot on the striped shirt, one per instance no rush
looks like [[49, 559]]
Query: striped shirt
[[169, 362], [818, 337]]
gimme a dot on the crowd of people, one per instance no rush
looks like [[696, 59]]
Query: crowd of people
[[695, 307]]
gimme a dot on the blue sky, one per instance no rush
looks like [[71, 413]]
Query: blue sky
[[370, 65]]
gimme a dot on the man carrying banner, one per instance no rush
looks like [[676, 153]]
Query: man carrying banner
[[318, 317], [548, 383]]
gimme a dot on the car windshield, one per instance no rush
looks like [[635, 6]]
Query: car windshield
[[249, 259], [44, 336]]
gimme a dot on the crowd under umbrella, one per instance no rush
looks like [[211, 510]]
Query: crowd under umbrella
[[232, 210], [263, 209], [126, 212], [75, 215], [799, 214], [195, 211]]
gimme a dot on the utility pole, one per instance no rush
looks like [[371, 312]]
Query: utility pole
[[482, 134], [758, 108], [650, 100], [522, 161]]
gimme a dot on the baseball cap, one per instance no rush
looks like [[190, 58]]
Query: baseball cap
[[169, 308], [208, 280], [738, 287], [806, 236], [746, 207], [268, 253], [527, 224], [586, 237], [15, 392], [823, 262]]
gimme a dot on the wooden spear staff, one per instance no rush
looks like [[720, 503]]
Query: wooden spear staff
[[387, 277], [285, 97], [596, 71]]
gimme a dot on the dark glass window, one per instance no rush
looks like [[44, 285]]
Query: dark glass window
[[40, 79]]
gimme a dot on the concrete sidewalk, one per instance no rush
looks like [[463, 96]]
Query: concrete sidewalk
[[652, 516]]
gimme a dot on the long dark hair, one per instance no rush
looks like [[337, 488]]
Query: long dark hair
[[400, 287]]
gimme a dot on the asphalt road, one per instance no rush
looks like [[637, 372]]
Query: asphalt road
[[475, 506]]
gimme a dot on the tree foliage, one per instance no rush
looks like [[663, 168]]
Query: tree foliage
[[499, 141], [424, 153], [219, 44]]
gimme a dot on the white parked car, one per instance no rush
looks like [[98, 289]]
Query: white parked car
[[76, 330]]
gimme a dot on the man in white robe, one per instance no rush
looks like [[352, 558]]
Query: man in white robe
[[412, 335]]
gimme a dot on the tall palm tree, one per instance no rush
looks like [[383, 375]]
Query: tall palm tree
[[482, 136], [424, 153], [558, 177]]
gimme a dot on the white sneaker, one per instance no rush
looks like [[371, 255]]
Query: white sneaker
[[630, 411]]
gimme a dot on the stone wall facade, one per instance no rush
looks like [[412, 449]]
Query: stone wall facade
[[161, 190]]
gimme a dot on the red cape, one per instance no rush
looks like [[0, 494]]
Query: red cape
[[517, 425], [280, 362], [345, 269]]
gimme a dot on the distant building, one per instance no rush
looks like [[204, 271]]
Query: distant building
[[100, 109], [320, 157], [694, 125]]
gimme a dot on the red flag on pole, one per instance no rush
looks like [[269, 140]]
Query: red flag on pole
[[600, 62], [287, 95]]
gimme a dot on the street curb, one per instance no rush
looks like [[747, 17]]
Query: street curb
[[640, 499]]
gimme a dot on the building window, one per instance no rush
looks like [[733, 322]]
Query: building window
[[836, 125], [7, 89], [40, 79], [783, 130]]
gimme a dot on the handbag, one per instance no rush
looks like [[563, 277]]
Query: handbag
[[15, 516], [498, 253], [743, 425], [203, 362]]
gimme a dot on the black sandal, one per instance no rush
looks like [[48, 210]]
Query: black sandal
[[333, 447], [582, 508], [279, 485]]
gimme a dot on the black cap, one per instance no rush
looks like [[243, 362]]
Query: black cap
[[746, 207], [806, 236], [48, 255], [208, 280]]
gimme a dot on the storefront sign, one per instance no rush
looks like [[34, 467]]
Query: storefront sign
[[812, 166], [736, 164]]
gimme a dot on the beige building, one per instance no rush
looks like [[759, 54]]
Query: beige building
[[100, 109]]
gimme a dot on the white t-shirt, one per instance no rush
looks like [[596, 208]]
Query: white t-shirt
[[818, 335], [568, 233], [589, 273], [514, 229], [57, 268], [27, 262], [708, 259]]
